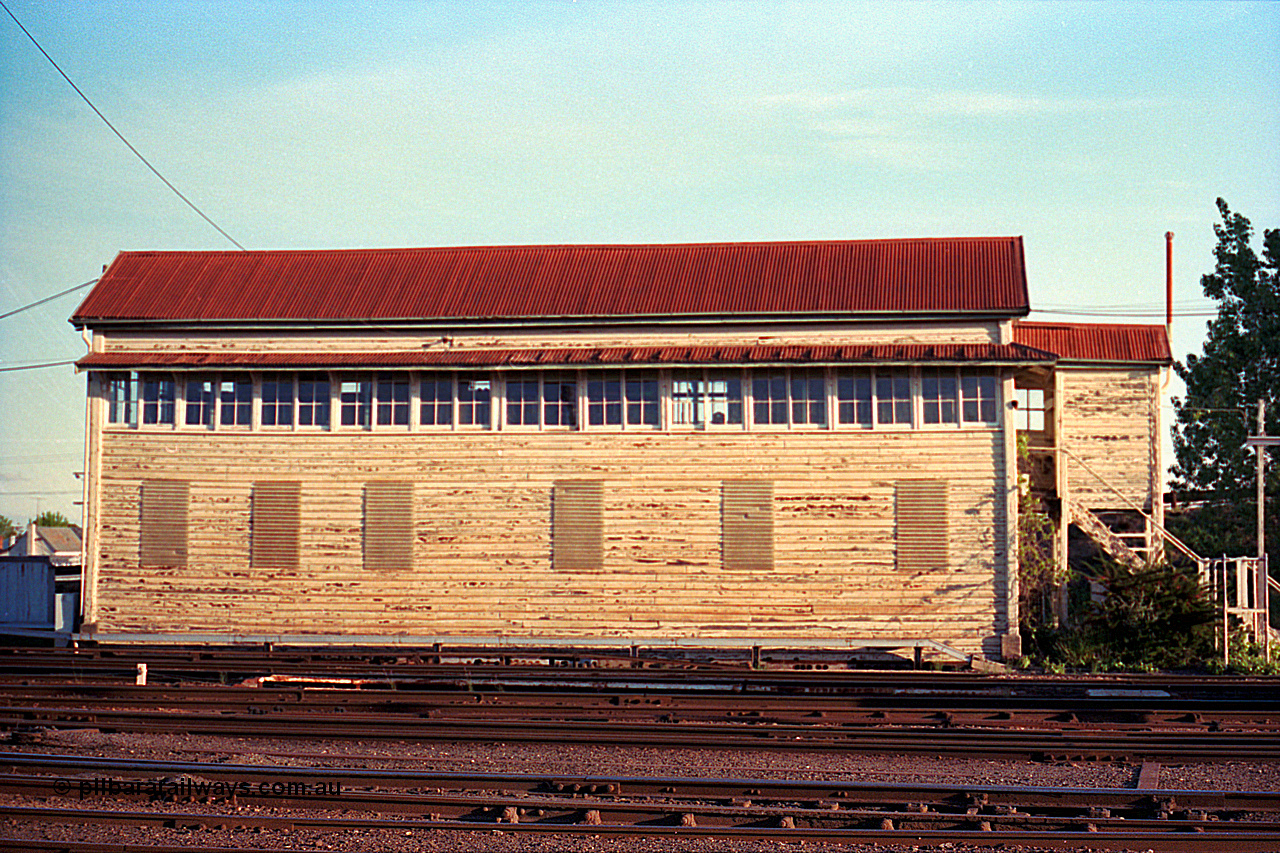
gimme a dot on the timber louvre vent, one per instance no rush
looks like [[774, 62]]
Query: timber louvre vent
[[388, 524], [162, 540], [577, 524], [273, 530], [921, 516], [746, 524]]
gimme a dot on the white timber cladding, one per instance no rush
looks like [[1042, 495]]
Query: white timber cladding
[[414, 340], [577, 525], [921, 512], [388, 525], [1109, 421], [273, 533], [746, 510], [482, 542]]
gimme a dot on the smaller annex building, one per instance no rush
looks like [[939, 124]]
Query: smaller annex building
[[779, 444]]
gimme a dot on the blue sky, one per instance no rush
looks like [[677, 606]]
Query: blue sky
[[1088, 128]]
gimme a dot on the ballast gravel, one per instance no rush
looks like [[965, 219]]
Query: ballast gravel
[[561, 760]]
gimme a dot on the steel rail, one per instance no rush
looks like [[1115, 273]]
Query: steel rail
[[401, 664], [1176, 839], [488, 807], [824, 790], [1098, 714], [1037, 744]]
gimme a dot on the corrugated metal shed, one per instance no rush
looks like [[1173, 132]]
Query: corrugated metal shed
[[1096, 341], [578, 357], [967, 275]]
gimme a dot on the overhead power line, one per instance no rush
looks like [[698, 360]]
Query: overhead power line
[[1110, 312], [37, 366], [48, 298], [128, 144]]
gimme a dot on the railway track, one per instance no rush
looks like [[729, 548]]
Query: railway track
[[1084, 744], [161, 795], [580, 670], [1038, 727]]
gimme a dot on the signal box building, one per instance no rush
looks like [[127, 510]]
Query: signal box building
[[806, 444]]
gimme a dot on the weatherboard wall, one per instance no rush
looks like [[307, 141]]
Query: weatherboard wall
[[482, 526], [375, 338], [1110, 427]]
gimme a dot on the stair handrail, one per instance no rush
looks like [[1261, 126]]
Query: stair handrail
[[1174, 540]]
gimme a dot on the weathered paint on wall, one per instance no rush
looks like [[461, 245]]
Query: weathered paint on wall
[[1110, 419], [390, 339], [483, 526]]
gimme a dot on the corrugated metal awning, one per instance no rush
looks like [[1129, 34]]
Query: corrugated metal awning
[[1103, 342], [573, 357]]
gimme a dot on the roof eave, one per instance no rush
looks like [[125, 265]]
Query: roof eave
[[993, 314]]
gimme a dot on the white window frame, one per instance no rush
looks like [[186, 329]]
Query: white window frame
[[913, 396], [621, 375], [540, 376], [356, 378], [393, 376], [220, 379], [788, 374], [298, 425], [1022, 414], [261, 404], [706, 375], [995, 397], [212, 406]]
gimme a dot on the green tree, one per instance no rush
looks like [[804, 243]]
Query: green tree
[[7, 527], [50, 518], [1240, 365]]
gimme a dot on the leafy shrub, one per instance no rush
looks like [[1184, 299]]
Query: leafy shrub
[[1153, 618]]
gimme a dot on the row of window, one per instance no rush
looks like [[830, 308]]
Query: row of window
[[639, 399]]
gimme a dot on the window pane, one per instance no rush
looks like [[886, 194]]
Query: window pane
[[604, 399], [158, 394], [938, 389], [236, 393], [393, 399], [769, 397], [120, 400], [978, 396], [522, 401], [686, 392], [853, 395], [893, 397], [199, 401], [1031, 411], [313, 399], [277, 399], [473, 400], [436, 400], [356, 397], [642, 399], [724, 398], [559, 400], [808, 397]]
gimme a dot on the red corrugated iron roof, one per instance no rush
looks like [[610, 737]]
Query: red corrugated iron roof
[[576, 357], [969, 275], [1096, 341]]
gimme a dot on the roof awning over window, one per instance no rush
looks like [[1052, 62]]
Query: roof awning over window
[[578, 357]]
